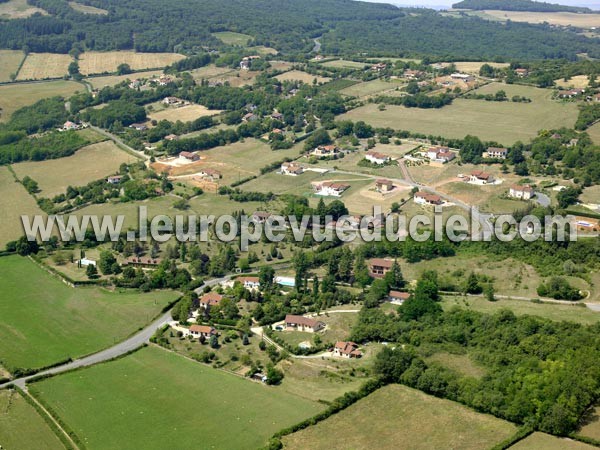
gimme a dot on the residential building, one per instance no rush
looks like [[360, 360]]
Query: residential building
[[325, 150], [277, 116], [384, 186], [414, 74], [69, 126], [479, 177], [496, 152], [571, 93], [425, 198], [260, 216], [330, 188], [143, 262], [139, 126], [346, 350], [171, 137], [210, 174], [250, 117], [250, 283], [209, 300], [398, 297], [379, 67], [204, 331], [377, 158], [301, 323], [292, 169], [525, 192], [84, 262], [521, 73], [189, 156], [115, 179], [378, 267]]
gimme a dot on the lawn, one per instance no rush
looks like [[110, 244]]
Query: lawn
[[232, 38], [152, 397], [40, 66], [542, 441], [101, 62], [18, 9], [45, 321], [338, 328], [400, 417], [112, 80], [184, 113], [504, 122], [88, 164], [298, 75], [15, 96], [10, 61], [14, 202], [21, 427]]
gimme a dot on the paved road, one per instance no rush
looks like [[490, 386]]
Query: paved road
[[317, 47], [542, 199]]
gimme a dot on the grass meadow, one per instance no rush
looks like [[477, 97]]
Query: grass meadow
[[372, 87], [184, 113], [542, 441], [396, 416], [19, 9], [21, 427], [10, 61], [45, 321], [232, 38], [100, 62], [553, 18], [15, 96], [145, 399], [88, 164], [40, 66], [298, 75], [503, 122], [87, 9]]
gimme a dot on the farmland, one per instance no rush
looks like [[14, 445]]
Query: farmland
[[474, 66], [553, 18], [141, 400], [542, 441], [111, 80], [14, 202], [370, 88], [41, 66], [10, 61], [107, 62], [18, 9], [298, 75], [45, 321], [578, 81], [210, 71], [232, 38], [13, 96], [88, 164], [503, 122], [21, 427], [397, 414], [594, 132], [87, 9], [183, 113], [344, 64]]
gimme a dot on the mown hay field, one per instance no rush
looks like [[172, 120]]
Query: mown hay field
[[41, 66], [183, 113], [10, 60], [107, 62], [553, 18], [298, 75], [19, 9], [87, 9]]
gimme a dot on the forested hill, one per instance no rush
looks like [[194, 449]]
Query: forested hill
[[519, 5], [347, 27]]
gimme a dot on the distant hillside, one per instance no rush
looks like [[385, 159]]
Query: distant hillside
[[519, 5]]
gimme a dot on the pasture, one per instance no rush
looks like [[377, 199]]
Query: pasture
[[298, 75], [14, 202], [141, 400], [41, 66], [400, 417], [590, 194], [369, 88], [15, 96], [474, 66], [503, 122], [19, 9], [542, 441], [88, 164], [578, 81], [594, 132], [345, 64], [591, 424], [10, 61], [87, 9], [232, 38], [112, 80], [21, 427], [553, 18], [183, 113], [107, 62], [44, 321], [210, 71]]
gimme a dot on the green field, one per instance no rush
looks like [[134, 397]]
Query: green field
[[14, 202], [232, 38], [345, 64], [21, 428], [15, 96], [503, 122], [45, 321], [542, 441], [370, 88], [399, 417], [10, 61], [155, 399]]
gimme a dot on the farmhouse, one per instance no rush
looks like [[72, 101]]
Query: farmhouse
[[260, 216], [69, 126], [115, 179], [163, 81], [346, 350], [462, 77], [145, 263], [210, 299], [277, 116], [246, 62], [172, 101], [325, 150], [521, 192], [139, 126], [250, 117], [330, 188], [440, 154], [413, 74], [171, 137], [495, 152], [301, 323], [378, 267], [189, 156], [479, 177], [521, 73], [135, 84], [292, 169], [571, 93], [384, 186], [250, 283], [425, 198], [210, 174], [202, 331], [377, 158], [378, 67], [398, 297]]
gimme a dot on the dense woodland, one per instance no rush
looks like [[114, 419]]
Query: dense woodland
[[346, 26], [519, 5]]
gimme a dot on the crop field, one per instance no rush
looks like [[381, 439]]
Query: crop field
[[45, 321], [141, 400], [400, 416], [10, 60], [14, 202], [474, 66], [503, 122], [542, 441], [281, 65], [345, 64], [40, 66], [594, 132], [21, 427], [15, 96], [107, 62], [578, 81], [18, 9], [87, 9], [88, 164], [553, 18], [232, 38], [183, 113], [298, 75], [112, 80], [210, 71], [370, 88]]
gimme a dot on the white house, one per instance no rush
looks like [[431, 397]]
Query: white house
[[479, 177], [84, 262], [250, 283], [325, 150], [377, 158], [292, 169], [496, 152], [425, 198], [301, 323], [330, 188], [346, 350], [521, 192]]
